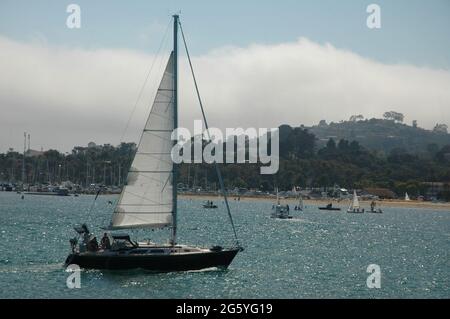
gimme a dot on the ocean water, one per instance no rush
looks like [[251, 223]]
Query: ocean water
[[315, 255]]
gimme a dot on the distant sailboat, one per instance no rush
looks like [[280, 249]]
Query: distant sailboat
[[209, 204], [149, 199], [407, 197], [373, 208], [354, 205], [280, 211], [300, 206]]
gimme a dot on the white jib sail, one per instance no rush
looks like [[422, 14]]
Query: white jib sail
[[147, 199]]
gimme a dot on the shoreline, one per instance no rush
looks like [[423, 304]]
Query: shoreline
[[292, 202], [323, 202]]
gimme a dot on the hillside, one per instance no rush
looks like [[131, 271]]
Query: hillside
[[381, 135]]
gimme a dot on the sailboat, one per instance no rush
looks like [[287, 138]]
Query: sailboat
[[280, 211], [373, 208], [407, 197], [209, 204], [149, 199], [300, 206], [354, 205]]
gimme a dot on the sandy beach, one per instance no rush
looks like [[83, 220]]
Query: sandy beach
[[323, 202]]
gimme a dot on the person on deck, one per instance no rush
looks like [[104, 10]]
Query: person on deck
[[92, 245], [105, 242]]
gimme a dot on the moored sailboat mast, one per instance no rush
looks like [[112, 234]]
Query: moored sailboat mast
[[175, 126]]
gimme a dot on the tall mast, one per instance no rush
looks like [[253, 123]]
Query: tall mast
[[23, 159], [175, 126]]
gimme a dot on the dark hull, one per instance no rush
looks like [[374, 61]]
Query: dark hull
[[154, 262], [331, 209], [279, 217]]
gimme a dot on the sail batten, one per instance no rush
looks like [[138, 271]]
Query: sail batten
[[146, 200]]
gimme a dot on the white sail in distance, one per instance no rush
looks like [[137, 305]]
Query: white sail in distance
[[146, 200], [355, 202]]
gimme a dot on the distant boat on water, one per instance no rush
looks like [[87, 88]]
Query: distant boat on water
[[209, 204], [373, 208], [407, 197], [280, 211], [354, 207], [60, 191], [330, 207], [300, 205]]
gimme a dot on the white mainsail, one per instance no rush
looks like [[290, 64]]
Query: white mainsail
[[407, 197], [147, 199]]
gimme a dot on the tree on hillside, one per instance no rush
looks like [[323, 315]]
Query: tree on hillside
[[444, 154], [356, 118], [331, 145], [323, 123], [394, 116], [441, 128]]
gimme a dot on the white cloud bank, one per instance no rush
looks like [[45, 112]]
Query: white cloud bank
[[68, 97]]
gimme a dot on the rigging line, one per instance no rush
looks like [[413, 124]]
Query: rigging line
[[219, 175], [145, 82]]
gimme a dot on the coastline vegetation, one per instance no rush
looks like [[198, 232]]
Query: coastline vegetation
[[304, 161]]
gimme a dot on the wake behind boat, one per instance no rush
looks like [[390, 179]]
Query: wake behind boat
[[149, 199]]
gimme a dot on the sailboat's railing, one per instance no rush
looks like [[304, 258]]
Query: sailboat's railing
[[219, 175]]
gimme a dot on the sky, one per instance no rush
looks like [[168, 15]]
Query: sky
[[258, 63]]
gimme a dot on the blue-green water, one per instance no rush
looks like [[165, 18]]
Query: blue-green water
[[316, 255]]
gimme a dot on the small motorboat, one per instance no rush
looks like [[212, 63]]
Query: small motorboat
[[330, 207]]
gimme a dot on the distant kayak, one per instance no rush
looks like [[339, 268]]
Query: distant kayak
[[329, 208]]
